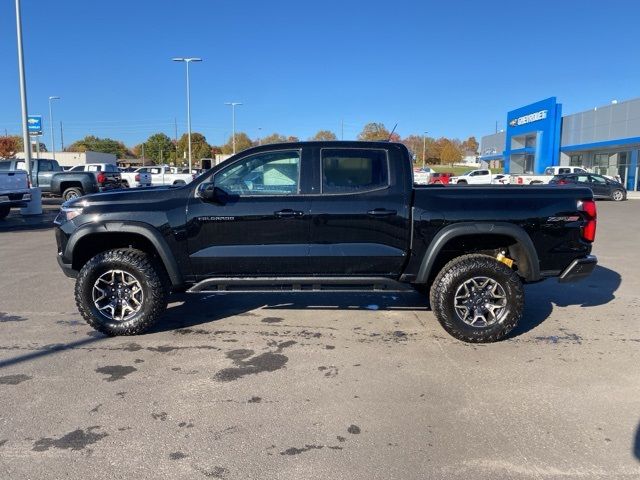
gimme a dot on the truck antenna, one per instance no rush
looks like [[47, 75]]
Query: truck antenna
[[392, 132]]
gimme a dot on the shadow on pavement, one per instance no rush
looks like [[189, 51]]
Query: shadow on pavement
[[16, 222], [49, 350], [597, 289], [198, 309]]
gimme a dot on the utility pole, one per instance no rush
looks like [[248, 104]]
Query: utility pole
[[23, 97], [61, 137], [342, 129], [175, 137], [424, 148], [496, 126], [143, 154], [53, 139], [233, 123]]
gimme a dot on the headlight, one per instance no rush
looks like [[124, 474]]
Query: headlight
[[69, 213]]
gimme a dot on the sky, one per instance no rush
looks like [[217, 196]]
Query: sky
[[450, 68]]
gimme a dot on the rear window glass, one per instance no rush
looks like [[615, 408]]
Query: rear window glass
[[5, 165], [353, 170]]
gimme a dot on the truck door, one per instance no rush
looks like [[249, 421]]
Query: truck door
[[260, 224], [360, 220]]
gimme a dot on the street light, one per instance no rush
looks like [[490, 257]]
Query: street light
[[187, 61], [233, 123], [53, 140], [23, 96]]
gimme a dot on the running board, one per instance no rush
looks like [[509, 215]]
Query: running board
[[300, 284]]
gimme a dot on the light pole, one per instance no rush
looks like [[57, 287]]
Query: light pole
[[424, 148], [53, 141], [23, 96], [259, 136], [233, 123], [187, 61]]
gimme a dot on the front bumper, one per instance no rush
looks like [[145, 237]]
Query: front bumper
[[578, 269]]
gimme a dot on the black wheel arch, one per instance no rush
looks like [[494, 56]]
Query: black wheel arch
[[151, 237], [523, 248]]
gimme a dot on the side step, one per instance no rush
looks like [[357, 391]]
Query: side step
[[300, 284]]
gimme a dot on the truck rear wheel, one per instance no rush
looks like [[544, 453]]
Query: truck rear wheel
[[477, 299], [71, 193], [121, 292]]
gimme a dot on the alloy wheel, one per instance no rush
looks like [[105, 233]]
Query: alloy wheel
[[480, 302], [117, 295]]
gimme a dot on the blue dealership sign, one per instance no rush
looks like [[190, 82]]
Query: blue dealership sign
[[34, 124], [533, 137]]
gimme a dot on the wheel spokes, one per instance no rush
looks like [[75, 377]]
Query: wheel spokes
[[480, 302]]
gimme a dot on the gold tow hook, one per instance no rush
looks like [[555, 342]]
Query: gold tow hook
[[501, 257]]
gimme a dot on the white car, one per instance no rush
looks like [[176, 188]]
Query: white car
[[164, 175], [422, 175], [501, 179], [549, 173], [473, 177]]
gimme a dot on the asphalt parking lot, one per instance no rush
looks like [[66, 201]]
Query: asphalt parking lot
[[355, 386]]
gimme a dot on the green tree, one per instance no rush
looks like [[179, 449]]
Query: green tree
[[97, 144], [158, 148], [199, 147], [324, 135], [470, 145], [374, 131], [242, 143]]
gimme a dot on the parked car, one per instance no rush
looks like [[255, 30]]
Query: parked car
[[324, 216], [14, 191], [53, 180], [473, 177], [165, 175], [501, 179], [549, 173], [601, 186], [440, 178], [422, 175]]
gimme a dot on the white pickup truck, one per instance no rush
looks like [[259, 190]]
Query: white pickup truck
[[166, 175], [14, 191], [482, 176], [127, 179]]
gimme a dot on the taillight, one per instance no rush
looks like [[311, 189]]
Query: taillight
[[102, 177], [591, 214], [137, 177], [562, 182], [520, 180]]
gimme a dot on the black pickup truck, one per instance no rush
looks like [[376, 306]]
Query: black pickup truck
[[324, 216], [53, 180]]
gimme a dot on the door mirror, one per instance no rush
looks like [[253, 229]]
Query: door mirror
[[208, 192]]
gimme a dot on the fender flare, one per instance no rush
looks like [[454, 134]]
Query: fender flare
[[459, 229], [138, 228]]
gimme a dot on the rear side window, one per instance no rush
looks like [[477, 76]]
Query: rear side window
[[352, 170], [564, 170], [5, 165]]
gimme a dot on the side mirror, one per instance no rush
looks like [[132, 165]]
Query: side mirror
[[208, 192]]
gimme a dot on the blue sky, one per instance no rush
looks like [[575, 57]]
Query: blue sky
[[452, 68]]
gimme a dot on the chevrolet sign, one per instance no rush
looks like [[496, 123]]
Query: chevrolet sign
[[532, 117]]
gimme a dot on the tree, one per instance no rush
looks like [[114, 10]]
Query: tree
[[470, 145], [9, 146], [159, 148], [199, 147], [323, 135], [273, 138], [103, 145], [374, 131], [242, 143], [450, 153]]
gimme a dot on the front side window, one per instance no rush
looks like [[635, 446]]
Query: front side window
[[269, 173], [353, 170], [582, 179], [596, 179]]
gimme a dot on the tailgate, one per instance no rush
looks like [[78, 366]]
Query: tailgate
[[13, 181]]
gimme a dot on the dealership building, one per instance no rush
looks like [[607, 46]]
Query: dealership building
[[605, 140]]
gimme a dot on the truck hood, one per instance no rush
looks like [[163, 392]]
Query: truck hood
[[129, 195]]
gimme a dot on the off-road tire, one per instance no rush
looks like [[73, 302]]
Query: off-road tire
[[617, 195], [150, 275], [454, 274], [71, 193], [4, 211]]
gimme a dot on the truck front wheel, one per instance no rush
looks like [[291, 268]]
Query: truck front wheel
[[121, 292], [477, 299]]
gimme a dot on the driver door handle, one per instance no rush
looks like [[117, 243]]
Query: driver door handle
[[287, 213], [381, 212]]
